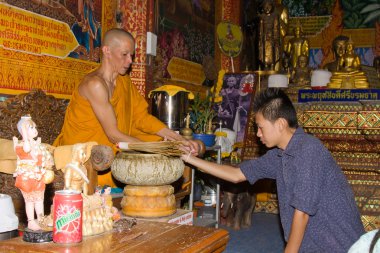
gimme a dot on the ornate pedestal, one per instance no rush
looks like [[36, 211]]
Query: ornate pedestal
[[148, 201], [148, 193]]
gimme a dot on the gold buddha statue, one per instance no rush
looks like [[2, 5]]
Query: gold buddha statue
[[269, 37], [284, 17], [302, 74], [297, 46], [349, 74], [350, 60], [339, 48]]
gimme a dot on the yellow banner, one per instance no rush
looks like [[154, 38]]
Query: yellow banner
[[311, 26], [186, 71], [29, 32], [230, 38]]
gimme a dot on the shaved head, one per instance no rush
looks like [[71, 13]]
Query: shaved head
[[115, 36], [118, 49]]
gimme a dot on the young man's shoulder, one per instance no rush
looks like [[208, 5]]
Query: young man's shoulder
[[304, 140], [302, 135]]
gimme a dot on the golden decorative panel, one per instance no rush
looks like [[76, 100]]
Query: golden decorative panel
[[21, 72], [328, 119], [135, 15], [370, 222]]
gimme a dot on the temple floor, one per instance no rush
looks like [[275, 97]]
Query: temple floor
[[265, 235]]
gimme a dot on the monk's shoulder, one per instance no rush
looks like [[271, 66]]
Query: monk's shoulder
[[93, 80], [91, 84]]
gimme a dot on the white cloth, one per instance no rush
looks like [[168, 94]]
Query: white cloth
[[9, 220], [362, 245]]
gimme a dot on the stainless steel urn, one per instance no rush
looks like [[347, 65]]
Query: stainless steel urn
[[171, 110]]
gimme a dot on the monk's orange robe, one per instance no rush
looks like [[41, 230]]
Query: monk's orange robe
[[131, 110]]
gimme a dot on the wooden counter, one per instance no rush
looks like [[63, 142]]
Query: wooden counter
[[146, 236]]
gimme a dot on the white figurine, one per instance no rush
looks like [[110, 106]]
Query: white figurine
[[33, 171]]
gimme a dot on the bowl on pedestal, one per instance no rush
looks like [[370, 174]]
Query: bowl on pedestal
[[148, 177]]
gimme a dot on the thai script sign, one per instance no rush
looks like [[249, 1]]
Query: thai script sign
[[311, 26], [338, 95], [186, 71], [29, 32]]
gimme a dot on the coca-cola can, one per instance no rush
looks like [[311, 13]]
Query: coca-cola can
[[67, 216]]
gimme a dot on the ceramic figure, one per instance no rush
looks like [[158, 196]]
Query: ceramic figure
[[75, 172], [34, 162]]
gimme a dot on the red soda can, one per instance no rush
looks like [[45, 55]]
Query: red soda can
[[67, 216]]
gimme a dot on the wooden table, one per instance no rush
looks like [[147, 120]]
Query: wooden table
[[146, 236]]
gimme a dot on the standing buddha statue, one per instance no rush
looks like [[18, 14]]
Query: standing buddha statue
[[269, 37], [284, 17], [297, 46]]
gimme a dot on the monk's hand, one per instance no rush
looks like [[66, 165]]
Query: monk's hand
[[187, 146], [195, 147]]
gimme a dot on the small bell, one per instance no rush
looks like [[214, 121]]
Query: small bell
[[186, 132]]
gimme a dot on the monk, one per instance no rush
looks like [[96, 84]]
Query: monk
[[107, 108]]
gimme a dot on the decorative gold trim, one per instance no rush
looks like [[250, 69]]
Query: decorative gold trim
[[21, 72]]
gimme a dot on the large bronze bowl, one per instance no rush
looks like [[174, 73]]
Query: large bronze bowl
[[146, 169]]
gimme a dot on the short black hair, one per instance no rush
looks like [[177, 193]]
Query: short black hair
[[273, 104]]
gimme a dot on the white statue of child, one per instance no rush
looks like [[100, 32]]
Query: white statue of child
[[33, 171]]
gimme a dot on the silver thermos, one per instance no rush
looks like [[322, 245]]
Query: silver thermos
[[171, 110]]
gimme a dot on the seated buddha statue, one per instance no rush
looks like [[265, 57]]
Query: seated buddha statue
[[350, 60], [339, 48], [301, 75], [349, 74]]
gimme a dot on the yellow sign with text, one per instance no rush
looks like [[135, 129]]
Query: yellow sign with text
[[186, 71], [29, 32], [311, 26]]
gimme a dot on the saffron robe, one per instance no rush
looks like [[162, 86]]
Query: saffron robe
[[131, 110]]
